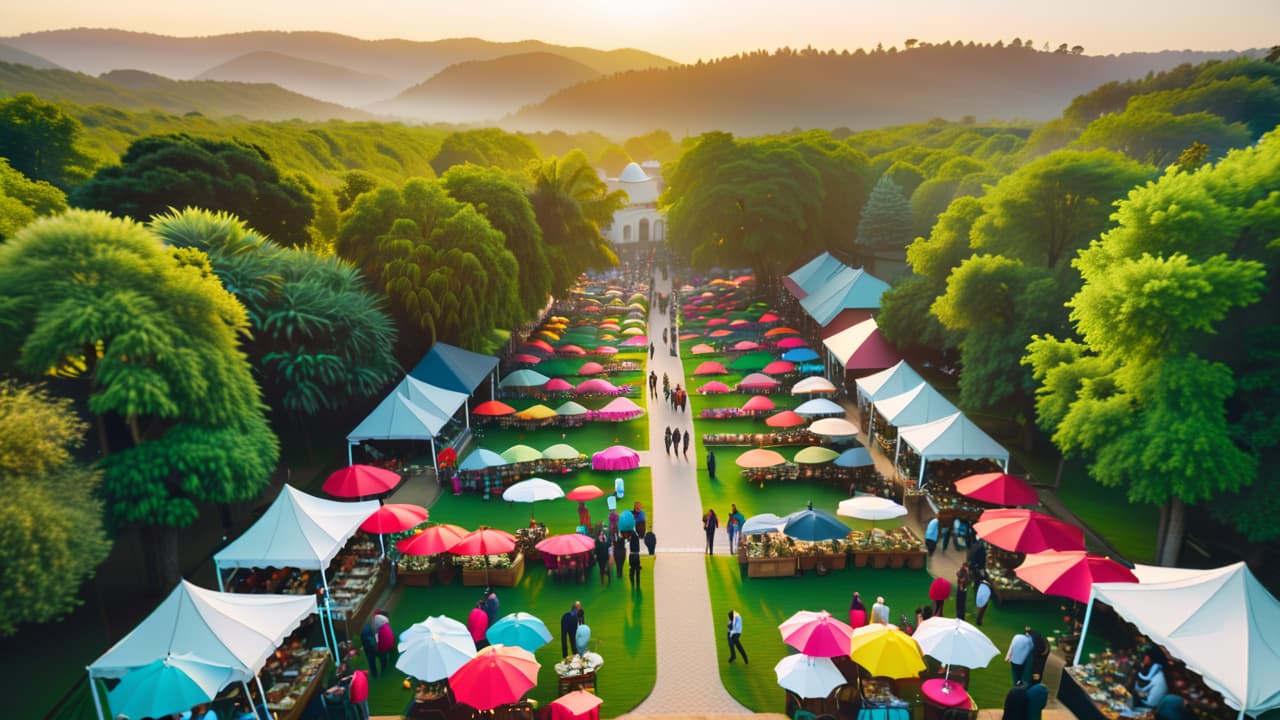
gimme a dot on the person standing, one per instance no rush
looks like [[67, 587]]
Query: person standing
[[857, 612], [709, 524], [633, 560], [675, 441], [880, 612], [687, 435], [944, 533], [386, 639], [931, 535], [741, 519], [664, 336], [1018, 654], [1039, 656], [731, 529], [569, 628], [642, 523], [491, 607], [962, 589], [369, 640], [711, 463], [478, 624], [939, 591], [602, 556], [619, 553], [981, 599], [735, 638], [667, 440], [650, 349]]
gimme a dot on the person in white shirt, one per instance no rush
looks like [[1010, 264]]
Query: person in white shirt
[[1019, 653], [880, 612], [735, 638], [982, 598]]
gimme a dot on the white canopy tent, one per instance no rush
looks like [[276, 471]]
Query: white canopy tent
[[413, 410], [1221, 623], [916, 406], [301, 531], [954, 437], [236, 631], [888, 382], [845, 289]]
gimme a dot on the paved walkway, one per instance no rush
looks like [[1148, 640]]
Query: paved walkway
[[688, 682]]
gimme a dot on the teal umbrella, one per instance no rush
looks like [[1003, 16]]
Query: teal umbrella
[[168, 686], [524, 378], [521, 630], [481, 459], [814, 526]]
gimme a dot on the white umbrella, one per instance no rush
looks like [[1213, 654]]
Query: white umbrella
[[815, 384], [808, 677], [833, 427], [437, 624], [819, 406], [870, 507], [173, 684], [953, 641], [433, 656], [763, 523], [533, 490]]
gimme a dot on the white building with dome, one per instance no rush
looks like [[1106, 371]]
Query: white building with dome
[[639, 225]]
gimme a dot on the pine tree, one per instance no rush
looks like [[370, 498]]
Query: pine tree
[[886, 218]]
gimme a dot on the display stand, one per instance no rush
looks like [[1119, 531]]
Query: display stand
[[585, 681], [298, 694]]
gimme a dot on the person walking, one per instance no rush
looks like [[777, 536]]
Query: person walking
[[667, 440], [664, 336], [981, 599], [369, 639], [478, 624], [675, 441], [931, 535], [711, 463], [740, 520], [491, 607], [880, 612], [687, 435], [1018, 654], [962, 589], [569, 627], [633, 560], [651, 347], [619, 553], [709, 524], [731, 529], [735, 638], [602, 556]]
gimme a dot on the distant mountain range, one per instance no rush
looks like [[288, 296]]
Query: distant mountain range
[[487, 89], [14, 55], [331, 66]]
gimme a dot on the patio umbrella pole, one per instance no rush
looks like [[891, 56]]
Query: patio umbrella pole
[[97, 701], [262, 694]]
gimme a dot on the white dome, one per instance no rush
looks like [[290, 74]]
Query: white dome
[[633, 174]]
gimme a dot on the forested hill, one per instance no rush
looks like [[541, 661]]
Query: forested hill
[[762, 93], [14, 55], [403, 63], [135, 90], [488, 89], [320, 80]]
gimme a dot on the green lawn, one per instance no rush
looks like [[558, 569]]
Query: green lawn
[[1130, 527], [765, 603]]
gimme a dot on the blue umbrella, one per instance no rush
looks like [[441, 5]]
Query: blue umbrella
[[814, 526], [626, 521], [168, 686], [854, 457], [521, 630], [799, 355], [481, 459]]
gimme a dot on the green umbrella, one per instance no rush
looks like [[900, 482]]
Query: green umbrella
[[521, 454], [752, 362], [815, 455], [561, 451]]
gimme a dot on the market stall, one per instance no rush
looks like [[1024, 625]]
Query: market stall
[[954, 437]]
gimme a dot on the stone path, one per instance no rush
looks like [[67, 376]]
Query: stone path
[[688, 682]]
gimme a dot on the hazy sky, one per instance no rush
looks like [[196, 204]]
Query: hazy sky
[[689, 29]]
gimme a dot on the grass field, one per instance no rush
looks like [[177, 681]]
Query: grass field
[[765, 603]]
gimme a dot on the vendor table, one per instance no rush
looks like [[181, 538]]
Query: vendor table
[[356, 617], [942, 695], [569, 683], [1089, 702], [298, 702]]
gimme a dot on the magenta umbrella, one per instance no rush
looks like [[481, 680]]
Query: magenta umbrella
[[1072, 573], [710, 367], [394, 518], [1019, 530], [617, 457], [998, 489], [757, 381], [569, 544], [790, 342], [360, 481], [816, 634], [558, 385], [779, 367], [598, 386], [714, 387], [635, 341]]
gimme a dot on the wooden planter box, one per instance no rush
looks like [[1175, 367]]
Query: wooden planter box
[[915, 560], [807, 562], [415, 578], [505, 577], [860, 559], [879, 559], [836, 562], [897, 560], [771, 567]]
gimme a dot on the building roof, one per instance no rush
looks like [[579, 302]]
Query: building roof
[[633, 173]]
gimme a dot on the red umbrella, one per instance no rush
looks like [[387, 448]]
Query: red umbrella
[[779, 367], [768, 318], [493, 408], [786, 418], [432, 541], [570, 544], [578, 703], [1026, 531], [1072, 573], [393, 518], [998, 489], [497, 675], [360, 481], [583, 493], [781, 331], [485, 541], [525, 359]]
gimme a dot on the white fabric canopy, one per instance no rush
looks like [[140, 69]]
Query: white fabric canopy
[[891, 381], [238, 631], [916, 406], [298, 530], [954, 437], [1222, 623], [849, 289], [811, 276], [413, 410]]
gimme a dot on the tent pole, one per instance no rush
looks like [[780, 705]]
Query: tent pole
[[466, 414], [922, 464], [327, 613], [1084, 629], [434, 466], [262, 694], [93, 690], [217, 569], [349, 461]]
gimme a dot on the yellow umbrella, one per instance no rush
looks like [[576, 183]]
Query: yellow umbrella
[[536, 412], [886, 651]]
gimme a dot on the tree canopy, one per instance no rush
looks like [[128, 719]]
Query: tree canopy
[[40, 141], [23, 199], [572, 204], [488, 147], [886, 220]]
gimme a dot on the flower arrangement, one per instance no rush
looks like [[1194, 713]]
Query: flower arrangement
[[527, 538], [477, 562], [416, 563], [579, 665]]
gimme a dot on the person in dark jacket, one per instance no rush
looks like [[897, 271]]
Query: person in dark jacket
[[569, 623], [602, 556], [619, 554], [650, 542], [633, 560]]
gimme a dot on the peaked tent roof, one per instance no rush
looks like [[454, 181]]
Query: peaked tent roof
[[862, 347], [1209, 619], [396, 418], [438, 401], [812, 275], [953, 437], [850, 288], [298, 530], [916, 406], [239, 631], [453, 368], [887, 383]]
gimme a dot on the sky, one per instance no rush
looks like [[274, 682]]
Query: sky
[[686, 30]]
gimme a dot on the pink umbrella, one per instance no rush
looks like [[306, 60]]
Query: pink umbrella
[[583, 493], [779, 367], [782, 331], [570, 544], [714, 387], [998, 489], [702, 349], [591, 368], [606, 350], [760, 458], [617, 457], [717, 321], [635, 341], [790, 342], [759, 403], [768, 318], [493, 408], [1072, 573], [431, 541], [786, 418], [394, 517], [743, 345], [558, 385], [1018, 530], [739, 323], [757, 381], [542, 345], [620, 409], [573, 350], [710, 368], [360, 481], [485, 541], [598, 386], [689, 336], [720, 333], [816, 634], [525, 359], [497, 675]]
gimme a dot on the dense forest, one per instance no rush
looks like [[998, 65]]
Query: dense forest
[[303, 264]]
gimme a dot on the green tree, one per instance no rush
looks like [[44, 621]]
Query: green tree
[[50, 519], [320, 339], [39, 140], [844, 174], [489, 147], [151, 337], [167, 171], [23, 200], [354, 184], [886, 218], [1157, 137], [656, 145], [505, 204], [571, 204], [613, 160]]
